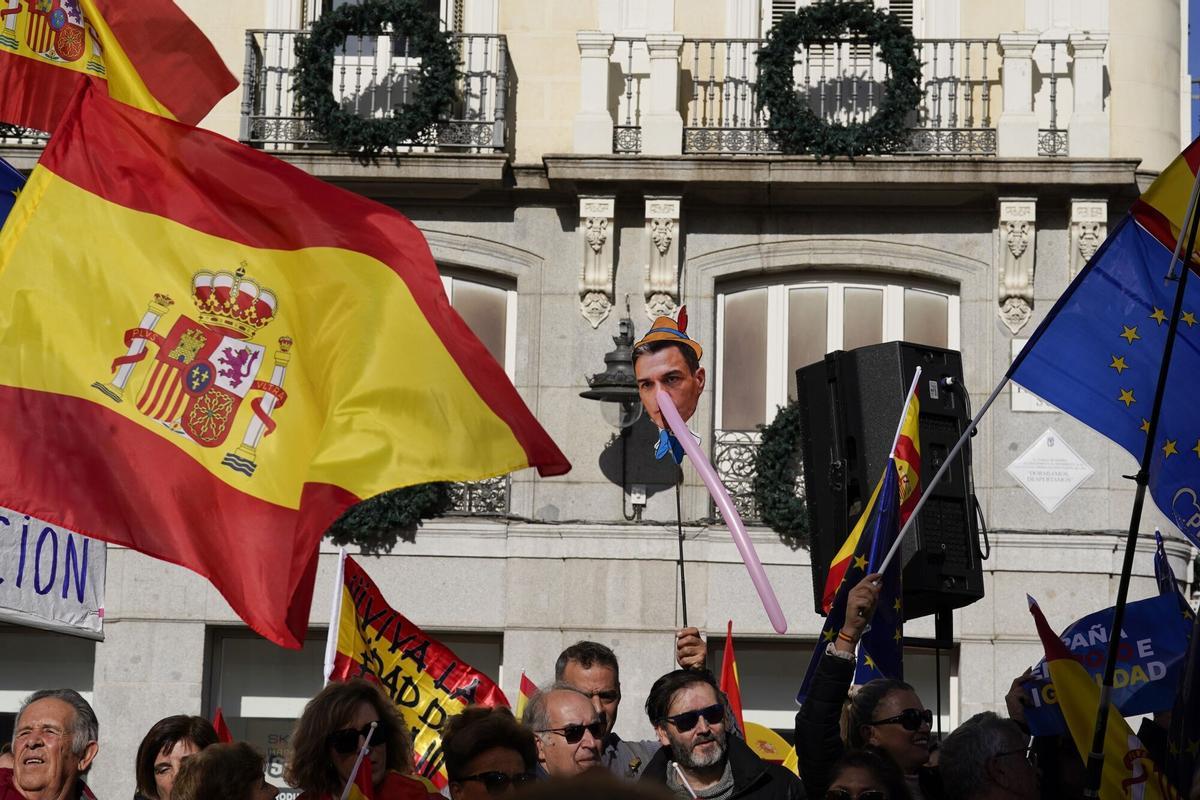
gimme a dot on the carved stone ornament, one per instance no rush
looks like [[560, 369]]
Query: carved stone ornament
[[1089, 227], [662, 265], [1017, 229], [596, 280]]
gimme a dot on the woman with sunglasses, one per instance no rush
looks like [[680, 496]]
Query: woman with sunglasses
[[886, 714], [332, 730], [488, 753], [867, 774]]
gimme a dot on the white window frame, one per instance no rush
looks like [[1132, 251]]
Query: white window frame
[[835, 285], [767, 7], [510, 314]]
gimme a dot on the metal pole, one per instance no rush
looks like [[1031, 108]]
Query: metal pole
[[1095, 758]]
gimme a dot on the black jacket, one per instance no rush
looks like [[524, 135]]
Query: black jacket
[[818, 732], [752, 777]]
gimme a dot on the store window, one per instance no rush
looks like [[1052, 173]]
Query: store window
[[261, 689], [35, 660]]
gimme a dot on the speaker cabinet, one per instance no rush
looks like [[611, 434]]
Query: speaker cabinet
[[850, 406]]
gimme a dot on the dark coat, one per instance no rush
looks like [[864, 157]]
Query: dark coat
[[752, 777], [818, 723]]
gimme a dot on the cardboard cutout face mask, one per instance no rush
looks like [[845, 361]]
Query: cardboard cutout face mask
[[666, 368]]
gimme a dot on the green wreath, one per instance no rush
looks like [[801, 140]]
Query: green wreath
[[774, 485], [435, 82], [794, 126], [376, 524]]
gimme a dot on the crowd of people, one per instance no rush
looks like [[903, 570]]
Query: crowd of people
[[869, 743]]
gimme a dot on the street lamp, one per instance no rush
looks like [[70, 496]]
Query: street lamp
[[616, 387]]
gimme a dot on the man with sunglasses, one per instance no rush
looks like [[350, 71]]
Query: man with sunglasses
[[592, 668], [988, 758], [698, 758], [568, 729]]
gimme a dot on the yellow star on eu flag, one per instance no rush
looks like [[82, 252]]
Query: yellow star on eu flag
[[898, 635], [870, 662], [1188, 318], [1118, 363], [1169, 448], [896, 605], [1193, 747], [1145, 428], [1159, 316], [860, 562], [827, 634], [1127, 397], [1196, 449], [1129, 334]]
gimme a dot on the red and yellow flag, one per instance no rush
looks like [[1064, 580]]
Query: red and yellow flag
[[729, 677], [524, 694], [1128, 769], [1162, 207], [147, 54], [207, 355], [424, 678]]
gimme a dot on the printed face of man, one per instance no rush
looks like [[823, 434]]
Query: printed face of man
[[701, 746], [568, 712], [45, 765], [667, 370]]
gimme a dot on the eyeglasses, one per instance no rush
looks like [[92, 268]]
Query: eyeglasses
[[1027, 753], [574, 733], [909, 718], [607, 696], [688, 719], [346, 740], [865, 794], [497, 783]]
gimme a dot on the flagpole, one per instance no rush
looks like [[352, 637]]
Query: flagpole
[[362, 753], [927, 491], [1095, 758], [335, 615]]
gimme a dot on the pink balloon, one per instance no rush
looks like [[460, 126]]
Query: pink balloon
[[720, 496]]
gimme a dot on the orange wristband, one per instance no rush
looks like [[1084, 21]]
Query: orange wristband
[[847, 639]]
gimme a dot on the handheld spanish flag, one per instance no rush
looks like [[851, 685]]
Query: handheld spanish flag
[[729, 678], [147, 54], [524, 694], [221, 727], [207, 355], [1127, 765]]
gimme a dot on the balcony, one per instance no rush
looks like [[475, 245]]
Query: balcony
[[372, 76], [1015, 95]]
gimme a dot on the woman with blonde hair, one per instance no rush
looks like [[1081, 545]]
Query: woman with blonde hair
[[330, 733]]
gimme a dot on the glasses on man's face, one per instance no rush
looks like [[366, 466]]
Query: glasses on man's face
[[574, 733], [865, 794], [497, 783], [1025, 752], [345, 741], [910, 719], [689, 719]]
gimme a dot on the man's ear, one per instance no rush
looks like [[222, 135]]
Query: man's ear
[[537, 737], [89, 755], [700, 375], [661, 732]]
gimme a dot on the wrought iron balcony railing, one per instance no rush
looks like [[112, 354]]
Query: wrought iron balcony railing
[[733, 456], [488, 497], [372, 76]]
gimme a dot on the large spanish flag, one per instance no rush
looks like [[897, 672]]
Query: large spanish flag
[[147, 54], [207, 355]]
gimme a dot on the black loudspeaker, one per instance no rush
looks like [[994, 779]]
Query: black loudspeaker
[[850, 405]]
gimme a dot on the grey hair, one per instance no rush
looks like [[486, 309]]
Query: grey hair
[[85, 728], [966, 752], [537, 713]]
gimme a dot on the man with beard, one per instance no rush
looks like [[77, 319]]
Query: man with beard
[[698, 757]]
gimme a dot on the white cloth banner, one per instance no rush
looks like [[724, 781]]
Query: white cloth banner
[[50, 578]]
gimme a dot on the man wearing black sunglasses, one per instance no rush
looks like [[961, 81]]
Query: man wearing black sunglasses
[[568, 729], [698, 757]]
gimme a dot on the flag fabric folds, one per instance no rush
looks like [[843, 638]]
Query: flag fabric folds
[[1096, 356], [524, 694], [207, 355], [146, 54], [1128, 769], [424, 678], [729, 684]]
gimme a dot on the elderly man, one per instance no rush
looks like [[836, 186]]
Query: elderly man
[[592, 668], [54, 744], [568, 730], [698, 757], [986, 758]]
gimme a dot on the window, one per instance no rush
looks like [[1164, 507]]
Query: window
[[36, 660], [766, 333], [490, 311], [261, 689], [907, 10]]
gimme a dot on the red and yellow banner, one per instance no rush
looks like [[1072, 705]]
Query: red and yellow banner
[[729, 677], [147, 54], [207, 355], [424, 678], [524, 694], [1161, 208]]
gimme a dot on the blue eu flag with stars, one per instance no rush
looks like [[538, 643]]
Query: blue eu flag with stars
[[1097, 354], [11, 183]]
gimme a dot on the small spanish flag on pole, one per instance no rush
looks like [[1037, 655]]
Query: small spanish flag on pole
[[526, 691], [729, 678]]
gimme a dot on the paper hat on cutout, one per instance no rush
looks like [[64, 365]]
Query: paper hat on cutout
[[666, 329]]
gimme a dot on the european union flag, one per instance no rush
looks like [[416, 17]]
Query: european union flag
[[1097, 354], [882, 646], [11, 183]]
